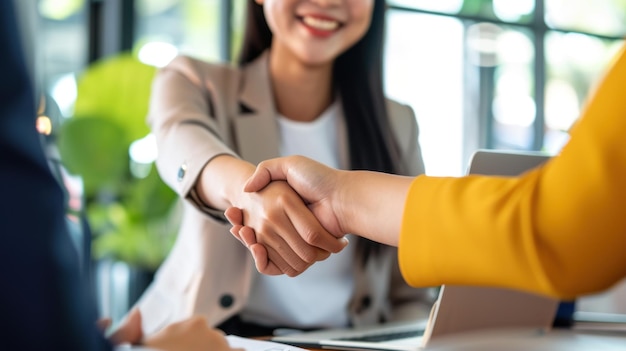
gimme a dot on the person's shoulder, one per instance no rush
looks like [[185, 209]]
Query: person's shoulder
[[191, 62], [192, 67], [402, 120], [399, 113]]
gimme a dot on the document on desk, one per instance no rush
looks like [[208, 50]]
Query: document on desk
[[259, 345]]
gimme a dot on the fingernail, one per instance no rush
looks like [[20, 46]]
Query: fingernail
[[246, 186], [344, 241]]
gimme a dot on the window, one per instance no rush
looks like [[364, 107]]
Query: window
[[426, 72], [478, 73], [166, 27], [497, 74], [62, 44]]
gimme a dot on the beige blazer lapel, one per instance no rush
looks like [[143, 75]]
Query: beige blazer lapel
[[256, 128]]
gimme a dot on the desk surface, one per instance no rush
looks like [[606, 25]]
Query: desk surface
[[556, 340]]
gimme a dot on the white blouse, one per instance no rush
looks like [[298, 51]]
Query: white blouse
[[319, 297]]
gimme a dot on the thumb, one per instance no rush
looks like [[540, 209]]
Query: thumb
[[259, 180], [265, 172], [129, 330]]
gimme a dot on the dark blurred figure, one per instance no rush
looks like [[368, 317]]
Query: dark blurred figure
[[42, 303], [45, 303]]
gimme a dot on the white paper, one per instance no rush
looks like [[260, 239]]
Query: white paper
[[259, 345]]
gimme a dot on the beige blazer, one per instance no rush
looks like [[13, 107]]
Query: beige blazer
[[200, 110]]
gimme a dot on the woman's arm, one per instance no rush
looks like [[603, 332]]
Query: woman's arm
[[369, 204], [559, 230], [278, 212], [195, 159]]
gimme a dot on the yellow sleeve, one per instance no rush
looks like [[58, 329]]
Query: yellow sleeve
[[558, 230]]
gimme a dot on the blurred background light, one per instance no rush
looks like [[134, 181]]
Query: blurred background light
[[512, 11], [157, 53], [144, 150], [143, 153], [44, 125], [59, 9], [515, 47], [154, 7], [563, 107], [446, 6], [64, 92]]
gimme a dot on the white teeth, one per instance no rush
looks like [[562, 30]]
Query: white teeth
[[322, 24]]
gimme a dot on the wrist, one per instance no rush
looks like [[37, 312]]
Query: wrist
[[342, 200], [236, 173], [221, 181]]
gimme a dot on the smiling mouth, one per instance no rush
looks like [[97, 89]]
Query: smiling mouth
[[320, 24]]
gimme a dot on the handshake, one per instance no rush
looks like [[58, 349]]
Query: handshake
[[311, 226]]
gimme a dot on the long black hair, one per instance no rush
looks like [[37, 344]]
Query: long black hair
[[358, 78]]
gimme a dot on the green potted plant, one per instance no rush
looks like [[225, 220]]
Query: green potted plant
[[131, 212]]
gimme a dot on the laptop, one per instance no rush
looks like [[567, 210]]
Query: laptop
[[505, 163], [458, 308]]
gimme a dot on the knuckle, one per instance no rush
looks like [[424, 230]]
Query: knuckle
[[271, 216], [309, 256], [312, 237], [323, 255], [300, 266], [282, 199], [288, 270], [261, 231], [298, 272], [304, 260], [197, 321]]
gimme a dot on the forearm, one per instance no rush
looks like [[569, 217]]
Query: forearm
[[471, 230], [372, 204], [222, 179], [558, 230], [507, 232]]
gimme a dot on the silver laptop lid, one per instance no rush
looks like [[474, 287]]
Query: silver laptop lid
[[505, 162]]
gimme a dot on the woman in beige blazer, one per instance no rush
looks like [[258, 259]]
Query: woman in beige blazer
[[213, 123]]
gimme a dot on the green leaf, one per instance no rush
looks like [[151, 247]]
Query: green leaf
[[117, 88], [130, 217], [97, 150], [150, 196]]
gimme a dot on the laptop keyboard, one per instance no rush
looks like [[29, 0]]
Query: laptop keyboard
[[385, 336]]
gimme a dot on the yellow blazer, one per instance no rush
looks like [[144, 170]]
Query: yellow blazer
[[558, 230], [200, 110]]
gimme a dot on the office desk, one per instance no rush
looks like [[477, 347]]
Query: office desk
[[556, 340]]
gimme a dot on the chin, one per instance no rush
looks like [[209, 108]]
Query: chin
[[317, 59]]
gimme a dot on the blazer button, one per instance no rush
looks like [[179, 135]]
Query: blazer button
[[226, 300], [366, 302], [181, 171]]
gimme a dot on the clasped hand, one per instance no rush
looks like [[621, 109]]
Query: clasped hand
[[316, 184]]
